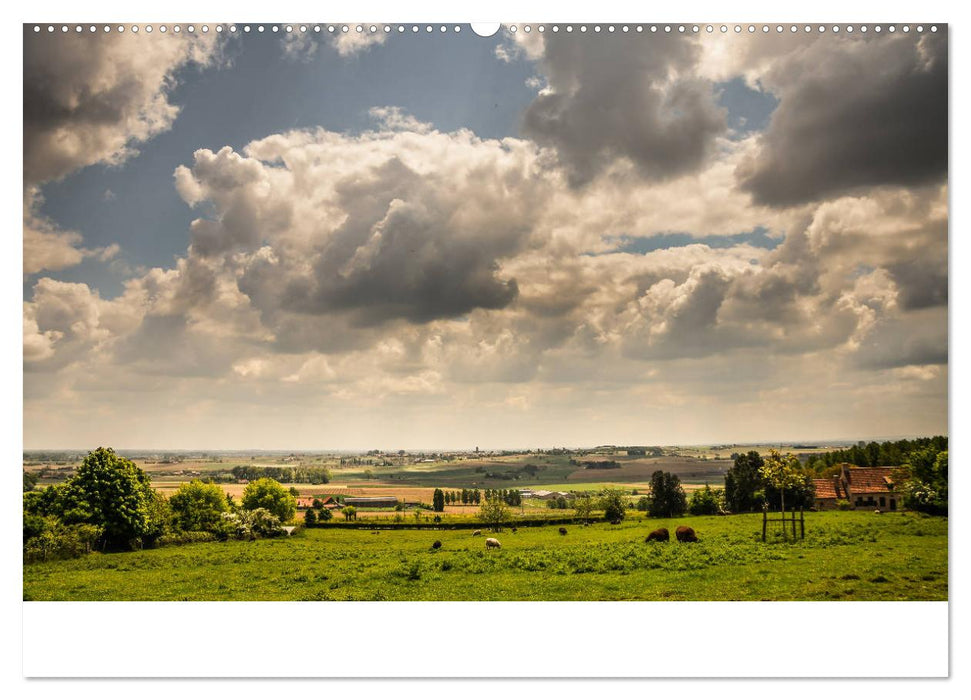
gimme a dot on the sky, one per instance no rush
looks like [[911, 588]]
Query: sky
[[442, 241]]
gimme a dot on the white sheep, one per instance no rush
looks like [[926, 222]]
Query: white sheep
[[493, 542]]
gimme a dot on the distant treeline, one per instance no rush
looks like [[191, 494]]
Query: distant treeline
[[874, 454], [285, 475], [611, 464]]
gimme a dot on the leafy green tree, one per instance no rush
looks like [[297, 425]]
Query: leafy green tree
[[438, 501], [349, 512], [310, 517], [494, 514], [925, 482], [583, 507], [706, 501], [269, 494], [613, 502], [30, 481], [476, 497], [643, 504], [112, 493], [782, 473], [667, 496], [198, 506], [325, 515], [743, 483], [317, 503]]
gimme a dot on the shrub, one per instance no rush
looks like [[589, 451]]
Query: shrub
[[643, 504], [310, 518], [59, 541], [269, 495], [198, 506], [705, 501], [843, 504], [324, 515], [189, 537]]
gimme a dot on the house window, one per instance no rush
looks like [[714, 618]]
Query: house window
[[883, 502], [893, 504], [859, 501]]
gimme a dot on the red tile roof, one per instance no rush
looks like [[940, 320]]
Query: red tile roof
[[825, 488], [870, 479]]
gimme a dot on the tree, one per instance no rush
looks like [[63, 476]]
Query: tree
[[325, 515], [198, 506], [476, 497], [667, 496], [110, 492], [613, 503], [925, 482], [317, 503], [782, 472], [438, 501], [743, 482], [583, 507], [705, 501], [269, 494], [310, 517], [494, 514], [30, 481]]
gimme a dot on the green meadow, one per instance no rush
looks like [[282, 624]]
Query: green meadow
[[844, 556]]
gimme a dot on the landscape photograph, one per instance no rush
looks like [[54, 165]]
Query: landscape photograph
[[565, 312]]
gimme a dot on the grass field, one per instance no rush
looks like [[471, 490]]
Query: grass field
[[845, 556]]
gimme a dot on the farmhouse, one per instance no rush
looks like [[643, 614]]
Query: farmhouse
[[544, 495], [868, 488], [371, 501]]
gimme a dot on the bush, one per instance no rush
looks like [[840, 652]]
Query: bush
[[310, 518], [269, 495], [643, 504], [324, 515], [59, 541], [190, 537], [843, 504], [198, 506], [705, 501]]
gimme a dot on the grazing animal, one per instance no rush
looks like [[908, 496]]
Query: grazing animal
[[514, 531], [477, 533], [615, 522], [436, 544], [659, 535], [493, 542], [878, 511], [562, 530], [374, 532], [685, 534]]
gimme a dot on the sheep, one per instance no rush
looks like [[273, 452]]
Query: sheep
[[492, 542], [562, 530], [477, 533], [659, 535], [685, 534], [515, 530]]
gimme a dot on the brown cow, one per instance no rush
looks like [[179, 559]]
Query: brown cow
[[659, 535], [685, 534]]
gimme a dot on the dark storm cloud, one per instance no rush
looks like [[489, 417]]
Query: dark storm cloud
[[89, 98], [853, 113], [624, 96]]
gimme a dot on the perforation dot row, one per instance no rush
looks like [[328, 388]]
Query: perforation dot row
[[414, 28]]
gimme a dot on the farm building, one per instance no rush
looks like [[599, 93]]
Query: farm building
[[371, 501], [864, 488], [308, 501], [550, 495]]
